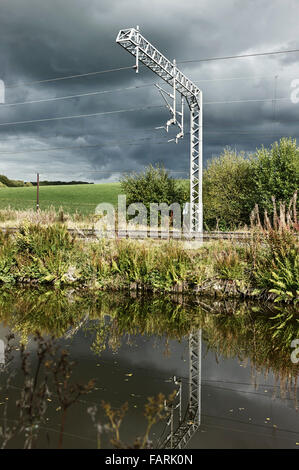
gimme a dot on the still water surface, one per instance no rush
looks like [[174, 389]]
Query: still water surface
[[244, 389]]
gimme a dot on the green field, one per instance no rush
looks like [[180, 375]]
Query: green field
[[74, 198]]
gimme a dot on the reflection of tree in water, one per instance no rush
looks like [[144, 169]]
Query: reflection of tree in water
[[259, 333]]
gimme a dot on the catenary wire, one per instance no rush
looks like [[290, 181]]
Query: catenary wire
[[76, 116], [115, 90], [101, 92], [68, 77], [13, 85], [240, 56], [12, 138], [141, 141], [132, 110]]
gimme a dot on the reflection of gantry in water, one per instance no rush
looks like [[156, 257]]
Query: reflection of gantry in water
[[2, 352], [182, 428]]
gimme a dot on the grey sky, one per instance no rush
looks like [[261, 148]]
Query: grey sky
[[41, 39]]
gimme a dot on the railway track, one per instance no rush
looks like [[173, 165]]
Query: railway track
[[91, 233]]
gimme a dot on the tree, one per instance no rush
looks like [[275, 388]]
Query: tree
[[234, 182], [276, 173], [153, 185], [11, 183], [228, 190], [4, 180]]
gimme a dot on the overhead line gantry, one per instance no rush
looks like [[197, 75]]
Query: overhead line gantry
[[132, 40]]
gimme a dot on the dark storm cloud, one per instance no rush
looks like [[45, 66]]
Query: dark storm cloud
[[40, 40]]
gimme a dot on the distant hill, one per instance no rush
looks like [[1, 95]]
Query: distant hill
[[6, 182], [13, 183], [58, 183]]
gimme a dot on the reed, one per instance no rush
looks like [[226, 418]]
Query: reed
[[266, 266]]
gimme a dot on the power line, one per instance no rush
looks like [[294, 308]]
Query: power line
[[117, 90], [74, 96], [98, 72], [80, 115], [80, 147], [68, 77], [142, 141], [12, 138], [248, 431], [254, 54], [58, 431], [137, 109], [269, 100], [289, 431], [32, 134], [248, 77]]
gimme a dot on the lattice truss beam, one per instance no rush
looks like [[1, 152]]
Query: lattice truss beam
[[132, 40], [179, 435]]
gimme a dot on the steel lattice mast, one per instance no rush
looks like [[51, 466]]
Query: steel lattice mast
[[187, 426], [2, 353], [132, 40]]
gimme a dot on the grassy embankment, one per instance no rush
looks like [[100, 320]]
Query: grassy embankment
[[268, 266], [43, 252]]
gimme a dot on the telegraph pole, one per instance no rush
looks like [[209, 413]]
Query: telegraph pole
[[37, 191], [132, 40]]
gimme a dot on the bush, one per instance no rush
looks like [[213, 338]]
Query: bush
[[234, 183], [276, 173], [153, 185], [227, 190], [4, 180], [11, 183]]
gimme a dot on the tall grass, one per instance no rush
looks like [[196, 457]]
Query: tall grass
[[275, 251], [10, 217], [266, 266]]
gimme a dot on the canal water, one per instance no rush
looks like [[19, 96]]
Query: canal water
[[233, 385]]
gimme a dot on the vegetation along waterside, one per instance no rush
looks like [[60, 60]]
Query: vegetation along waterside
[[266, 266]]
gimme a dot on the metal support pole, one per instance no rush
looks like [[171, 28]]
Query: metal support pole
[[174, 91], [178, 382], [2, 352], [200, 160], [180, 403], [37, 191], [195, 377], [196, 212], [179, 437]]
